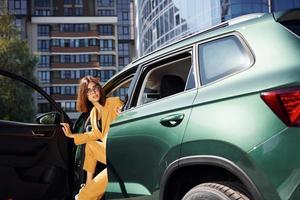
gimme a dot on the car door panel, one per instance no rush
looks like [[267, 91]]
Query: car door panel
[[32, 161], [145, 145], [35, 159]]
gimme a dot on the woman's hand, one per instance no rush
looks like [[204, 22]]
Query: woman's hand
[[119, 110], [66, 130]]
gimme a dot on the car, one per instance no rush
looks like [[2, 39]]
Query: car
[[215, 115]]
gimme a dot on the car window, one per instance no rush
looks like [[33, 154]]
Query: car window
[[19, 103], [121, 90], [190, 83], [163, 80], [222, 57]]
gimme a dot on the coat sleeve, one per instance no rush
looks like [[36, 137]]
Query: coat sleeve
[[116, 104], [82, 138]]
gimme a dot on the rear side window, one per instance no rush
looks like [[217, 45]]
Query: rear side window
[[222, 57]]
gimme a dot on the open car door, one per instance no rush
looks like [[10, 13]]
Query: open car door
[[35, 156]]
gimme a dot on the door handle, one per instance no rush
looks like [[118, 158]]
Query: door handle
[[38, 134], [172, 120]]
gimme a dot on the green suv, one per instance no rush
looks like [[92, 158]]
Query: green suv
[[213, 116]]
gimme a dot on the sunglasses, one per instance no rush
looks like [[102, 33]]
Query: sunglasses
[[93, 90]]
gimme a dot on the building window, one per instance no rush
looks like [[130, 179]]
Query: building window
[[123, 60], [125, 15], [18, 23], [68, 2], [93, 42], [106, 29], [123, 48], [69, 74], [106, 12], [126, 30], [84, 58], [68, 90], [78, 2], [89, 73], [44, 61], [105, 3], [42, 12], [18, 7], [17, 4], [78, 11], [43, 45], [105, 75], [177, 19], [68, 11], [41, 3], [44, 76], [44, 107], [107, 60], [123, 30], [107, 45], [74, 27], [55, 42], [55, 90], [74, 43], [47, 89], [122, 93], [68, 106], [43, 30]]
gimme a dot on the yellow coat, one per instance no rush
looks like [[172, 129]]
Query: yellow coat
[[108, 114], [96, 150]]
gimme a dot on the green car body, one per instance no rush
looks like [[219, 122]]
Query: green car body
[[220, 130]]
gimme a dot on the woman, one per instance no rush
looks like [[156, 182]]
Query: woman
[[103, 111]]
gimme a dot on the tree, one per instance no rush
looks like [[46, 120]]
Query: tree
[[16, 100]]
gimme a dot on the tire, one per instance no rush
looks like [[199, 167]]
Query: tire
[[213, 191]]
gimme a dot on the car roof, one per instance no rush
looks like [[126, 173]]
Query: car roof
[[190, 39]]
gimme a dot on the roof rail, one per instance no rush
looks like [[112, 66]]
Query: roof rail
[[218, 26]]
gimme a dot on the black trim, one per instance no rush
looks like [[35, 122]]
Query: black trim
[[209, 160], [119, 179]]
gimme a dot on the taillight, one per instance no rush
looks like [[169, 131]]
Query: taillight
[[285, 104]]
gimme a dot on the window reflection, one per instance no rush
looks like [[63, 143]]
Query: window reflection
[[162, 22]]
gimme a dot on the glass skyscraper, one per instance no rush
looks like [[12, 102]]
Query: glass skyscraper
[[163, 21], [279, 5]]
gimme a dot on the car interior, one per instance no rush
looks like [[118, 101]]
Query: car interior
[[165, 80]]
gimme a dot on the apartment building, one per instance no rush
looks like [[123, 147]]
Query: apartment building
[[75, 38]]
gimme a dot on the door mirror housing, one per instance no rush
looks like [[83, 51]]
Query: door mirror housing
[[49, 118]]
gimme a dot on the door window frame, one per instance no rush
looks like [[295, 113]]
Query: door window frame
[[158, 62]]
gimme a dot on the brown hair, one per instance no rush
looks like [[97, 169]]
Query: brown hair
[[83, 104]]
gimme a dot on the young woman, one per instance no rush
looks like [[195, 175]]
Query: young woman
[[102, 112]]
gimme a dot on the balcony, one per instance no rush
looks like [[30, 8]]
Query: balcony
[[74, 49], [58, 34], [74, 20], [76, 65], [63, 97], [64, 81]]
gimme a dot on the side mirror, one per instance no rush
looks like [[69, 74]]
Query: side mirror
[[49, 118]]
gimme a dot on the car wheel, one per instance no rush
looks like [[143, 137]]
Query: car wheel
[[213, 191]]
